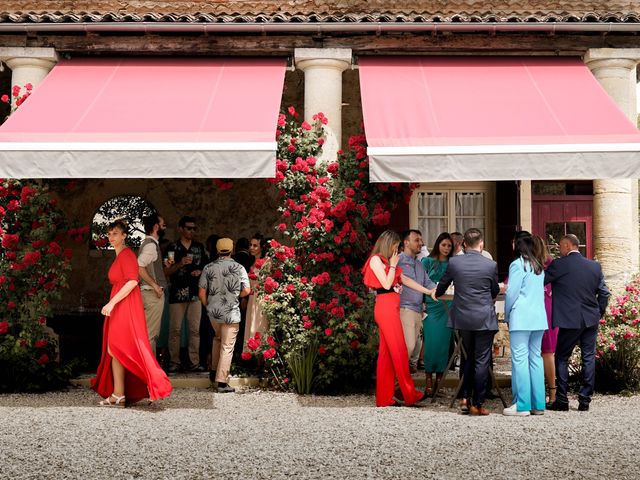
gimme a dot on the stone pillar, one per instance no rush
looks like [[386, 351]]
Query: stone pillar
[[615, 202], [323, 69], [526, 222], [28, 65]]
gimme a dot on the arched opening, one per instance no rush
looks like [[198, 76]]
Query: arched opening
[[131, 208]]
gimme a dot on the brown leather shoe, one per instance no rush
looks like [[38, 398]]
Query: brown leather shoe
[[473, 410]]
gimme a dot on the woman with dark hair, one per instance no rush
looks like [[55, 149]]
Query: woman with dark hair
[[381, 273], [524, 311], [550, 337], [256, 320], [437, 335], [128, 370]]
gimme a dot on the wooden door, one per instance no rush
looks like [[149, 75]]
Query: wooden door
[[554, 216]]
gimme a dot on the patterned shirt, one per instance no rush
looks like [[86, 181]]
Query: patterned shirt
[[184, 286], [223, 280]]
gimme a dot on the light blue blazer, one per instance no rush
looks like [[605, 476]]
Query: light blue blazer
[[524, 300]]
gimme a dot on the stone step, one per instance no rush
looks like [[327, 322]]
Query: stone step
[[201, 380]]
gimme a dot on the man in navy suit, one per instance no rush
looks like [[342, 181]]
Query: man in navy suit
[[580, 299], [475, 279]]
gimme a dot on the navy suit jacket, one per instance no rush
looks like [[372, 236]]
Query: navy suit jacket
[[580, 296], [475, 279]]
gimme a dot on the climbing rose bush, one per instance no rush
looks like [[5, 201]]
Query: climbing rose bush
[[34, 268], [311, 288], [618, 343]]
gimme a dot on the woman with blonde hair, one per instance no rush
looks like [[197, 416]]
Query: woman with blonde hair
[[382, 274], [550, 336]]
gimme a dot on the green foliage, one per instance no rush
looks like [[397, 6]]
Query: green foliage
[[312, 291], [33, 270], [128, 207], [618, 344]]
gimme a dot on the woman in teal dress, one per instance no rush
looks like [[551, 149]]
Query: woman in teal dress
[[437, 336]]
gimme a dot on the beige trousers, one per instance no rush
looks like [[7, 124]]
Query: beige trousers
[[411, 325], [177, 311], [222, 348], [153, 307]]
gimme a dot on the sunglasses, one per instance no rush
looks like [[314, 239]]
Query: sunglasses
[[187, 227]]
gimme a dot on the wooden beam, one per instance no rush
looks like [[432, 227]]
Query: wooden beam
[[154, 44]]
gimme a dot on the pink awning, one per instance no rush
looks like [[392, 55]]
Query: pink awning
[[488, 118], [148, 117]]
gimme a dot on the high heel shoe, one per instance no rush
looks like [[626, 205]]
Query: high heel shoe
[[117, 401]]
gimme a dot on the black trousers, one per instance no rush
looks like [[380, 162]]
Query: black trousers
[[478, 345], [568, 338]]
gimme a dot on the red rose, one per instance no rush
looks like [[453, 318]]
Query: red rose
[[305, 126], [10, 241], [44, 358], [253, 344], [41, 343], [3, 278], [282, 227], [355, 344], [42, 320], [31, 258], [328, 332], [271, 341], [307, 325], [11, 305], [257, 336], [267, 354], [4, 99], [304, 294], [322, 350], [29, 87], [291, 110], [13, 205], [246, 356], [4, 327]]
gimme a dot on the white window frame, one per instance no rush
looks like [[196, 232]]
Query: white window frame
[[451, 188]]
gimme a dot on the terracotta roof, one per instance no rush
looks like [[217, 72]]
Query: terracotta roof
[[319, 11]]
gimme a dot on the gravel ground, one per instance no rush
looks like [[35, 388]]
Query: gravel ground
[[254, 434]]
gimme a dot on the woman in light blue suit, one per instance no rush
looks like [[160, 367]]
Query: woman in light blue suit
[[525, 312]]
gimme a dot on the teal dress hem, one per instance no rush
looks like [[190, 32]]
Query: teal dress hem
[[437, 335]]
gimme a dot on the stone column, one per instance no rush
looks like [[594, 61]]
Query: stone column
[[323, 69], [526, 204], [615, 202], [28, 65]]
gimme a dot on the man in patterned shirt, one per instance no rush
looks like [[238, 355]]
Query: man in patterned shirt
[[222, 283]]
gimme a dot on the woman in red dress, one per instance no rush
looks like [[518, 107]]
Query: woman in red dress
[[128, 365], [382, 274]]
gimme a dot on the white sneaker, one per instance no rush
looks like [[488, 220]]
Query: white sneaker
[[513, 412]]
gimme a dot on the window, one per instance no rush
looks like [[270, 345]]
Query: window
[[128, 207], [438, 208]]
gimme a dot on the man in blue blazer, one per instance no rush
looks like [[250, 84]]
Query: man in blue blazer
[[475, 279], [580, 299]]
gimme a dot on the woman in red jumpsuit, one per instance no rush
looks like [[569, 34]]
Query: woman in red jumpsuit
[[382, 274], [128, 364]]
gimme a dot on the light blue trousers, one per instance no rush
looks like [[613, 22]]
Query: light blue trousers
[[527, 370]]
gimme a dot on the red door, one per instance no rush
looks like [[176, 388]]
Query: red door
[[554, 216]]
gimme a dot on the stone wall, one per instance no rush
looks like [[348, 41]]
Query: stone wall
[[251, 206]]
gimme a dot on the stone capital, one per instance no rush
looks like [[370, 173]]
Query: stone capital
[[613, 57], [329, 58], [47, 55]]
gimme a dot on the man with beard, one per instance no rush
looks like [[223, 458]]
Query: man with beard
[[153, 281]]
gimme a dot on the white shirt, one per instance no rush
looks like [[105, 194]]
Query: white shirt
[[148, 254]]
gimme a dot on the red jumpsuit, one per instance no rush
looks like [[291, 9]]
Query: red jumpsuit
[[393, 360]]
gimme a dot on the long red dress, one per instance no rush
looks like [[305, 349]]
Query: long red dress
[[125, 332], [393, 359]]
